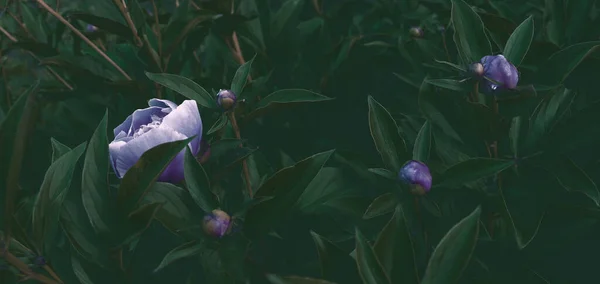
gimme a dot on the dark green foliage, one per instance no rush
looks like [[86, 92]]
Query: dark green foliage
[[333, 98]]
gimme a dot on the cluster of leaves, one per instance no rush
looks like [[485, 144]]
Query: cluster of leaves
[[514, 196]]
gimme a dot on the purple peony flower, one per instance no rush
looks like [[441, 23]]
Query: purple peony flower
[[497, 68], [160, 123], [417, 174], [217, 223], [226, 99]]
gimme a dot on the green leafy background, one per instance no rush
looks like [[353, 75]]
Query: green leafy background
[[334, 96]]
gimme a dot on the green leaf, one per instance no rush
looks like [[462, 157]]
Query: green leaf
[[285, 98], [469, 33], [567, 136], [519, 41], [454, 85], [336, 265], [219, 124], [186, 250], [384, 132], [274, 279], [33, 23], [382, 205], [80, 273], [94, 180], [515, 135], [173, 214], [180, 28], [52, 194], [144, 173], [58, 149], [452, 254], [454, 66], [198, 184], [105, 24], [427, 98], [241, 77], [287, 186], [423, 143], [138, 221], [185, 87], [559, 65], [546, 115], [369, 267], [471, 170], [286, 17], [394, 248], [572, 177], [385, 173]]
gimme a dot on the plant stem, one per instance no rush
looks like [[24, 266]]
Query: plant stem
[[29, 274], [83, 37], [123, 9], [421, 223], [236, 130]]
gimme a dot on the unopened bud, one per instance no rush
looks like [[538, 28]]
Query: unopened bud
[[217, 223], [226, 99], [416, 32]]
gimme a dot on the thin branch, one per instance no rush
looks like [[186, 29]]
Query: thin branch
[[83, 37], [123, 8], [16, 262]]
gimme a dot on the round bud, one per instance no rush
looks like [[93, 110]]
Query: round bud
[[226, 99], [416, 32], [417, 175], [476, 70], [217, 223]]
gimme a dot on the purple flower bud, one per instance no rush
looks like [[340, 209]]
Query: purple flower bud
[[204, 152], [217, 223], [226, 99], [416, 174], [497, 68], [39, 261], [476, 70], [416, 32], [90, 28]]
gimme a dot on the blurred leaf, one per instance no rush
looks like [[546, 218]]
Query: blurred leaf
[[58, 149], [274, 279], [52, 194], [287, 186], [102, 23], [382, 205], [568, 136], [423, 143], [33, 24], [472, 170], [394, 248], [557, 68], [94, 180], [286, 17], [572, 177], [181, 27], [336, 265], [452, 254], [385, 173], [188, 249], [384, 132], [147, 169], [198, 184], [518, 44], [453, 85], [241, 77], [287, 97], [185, 87], [369, 267], [469, 33], [82, 276]]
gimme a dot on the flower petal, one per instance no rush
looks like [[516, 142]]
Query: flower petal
[[162, 103], [187, 121], [123, 127], [143, 117], [125, 155]]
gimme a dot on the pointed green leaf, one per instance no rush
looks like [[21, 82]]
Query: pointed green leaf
[[184, 87], [94, 180], [382, 205], [560, 64], [394, 248], [219, 124], [515, 135], [186, 250], [453, 85], [286, 98], [287, 16], [384, 132], [174, 213], [519, 41], [572, 177], [198, 184], [423, 143], [287, 185], [144, 173], [546, 115], [241, 77], [82, 276], [58, 149], [49, 200], [469, 33], [369, 267], [385, 173], [472, 170], [274, 279], [336, 265], [452, 254]]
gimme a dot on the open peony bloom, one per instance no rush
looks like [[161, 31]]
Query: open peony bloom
[[162, 122], [497, 68], [416, 174]]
